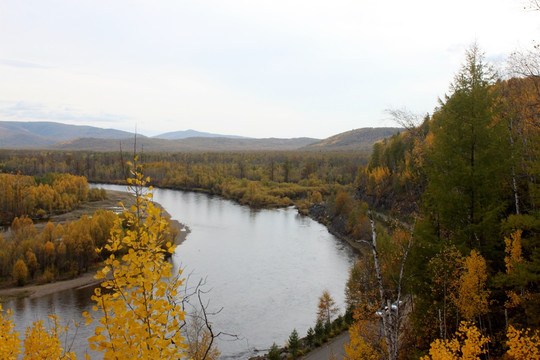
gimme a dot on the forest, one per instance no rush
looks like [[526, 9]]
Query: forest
[[43, 195], [445, 216]]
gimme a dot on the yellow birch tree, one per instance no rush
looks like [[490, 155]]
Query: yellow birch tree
[[467, 345], [43, 344], [10, 346], [522, 345], [142, 315], [472, 296]]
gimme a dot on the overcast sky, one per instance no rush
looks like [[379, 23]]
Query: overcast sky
[[255, 68]]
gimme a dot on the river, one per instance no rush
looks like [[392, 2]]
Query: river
[[264, 268]]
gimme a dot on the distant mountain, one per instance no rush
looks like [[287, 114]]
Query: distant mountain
[[51, 135], [354, 140], [189, 145], [42, 133], [184, 134]]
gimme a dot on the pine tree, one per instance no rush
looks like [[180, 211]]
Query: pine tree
[[294, 343], [274, 353], [467, 162], [310, 336]]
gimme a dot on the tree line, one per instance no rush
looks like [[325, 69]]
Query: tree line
[[55, 252], [42, 195], [258, 179]]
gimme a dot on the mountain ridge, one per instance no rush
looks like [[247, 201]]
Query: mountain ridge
[[189, 133], [58, 136], [46, 133], [353, 140]]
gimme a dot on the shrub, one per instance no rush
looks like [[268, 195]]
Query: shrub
[[47, 277]]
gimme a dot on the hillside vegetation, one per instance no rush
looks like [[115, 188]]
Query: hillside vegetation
[[57, 136], [354, 140], [185, 145], [42, 134]]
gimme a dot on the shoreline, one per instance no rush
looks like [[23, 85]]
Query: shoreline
[[35, 290]]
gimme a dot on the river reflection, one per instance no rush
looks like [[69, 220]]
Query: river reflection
[[265, 268]]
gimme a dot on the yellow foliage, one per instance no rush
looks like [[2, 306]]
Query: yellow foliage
[[379, 180], [514, 256], [359, 348], [39, 343], [472, 297], [42, 344], [366, 341], [315, 197], [467, 345], [523, 346], [141, 312], [443, 350], [10, 346], [327, 308], [513, 251], [20, 272]]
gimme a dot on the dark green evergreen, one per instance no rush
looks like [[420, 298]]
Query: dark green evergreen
[[310, 337], [319, 329], [468, 160], [274, 353], [294, 343]]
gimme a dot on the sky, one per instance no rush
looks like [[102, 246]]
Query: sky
[[253, 68]]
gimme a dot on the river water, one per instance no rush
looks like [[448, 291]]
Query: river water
[[265, 270]]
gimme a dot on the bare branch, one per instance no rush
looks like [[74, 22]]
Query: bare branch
[[200, 315], [407, 119], [524, 63]]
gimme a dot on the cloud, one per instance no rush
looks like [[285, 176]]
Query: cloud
[[264, 68]]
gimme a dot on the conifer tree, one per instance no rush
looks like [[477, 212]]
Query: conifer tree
[[327, 308], [294, 343], [274, 353], [467, 159]]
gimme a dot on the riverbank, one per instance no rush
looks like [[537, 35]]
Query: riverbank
[[33, 289], [336, 226]]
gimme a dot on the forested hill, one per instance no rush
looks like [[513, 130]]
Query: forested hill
[[353, 140], [57, 136], [184, 134], [469, 177], [43, 133], [186, 145]]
